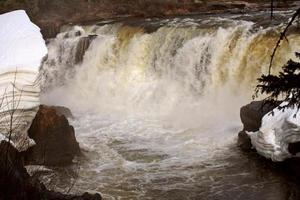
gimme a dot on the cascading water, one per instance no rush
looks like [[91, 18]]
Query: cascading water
[[157, 105]]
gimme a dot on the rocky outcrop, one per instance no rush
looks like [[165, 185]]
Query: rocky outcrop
[[82, 46], [294, 148], [244, 141], [275, 135], [50, 15], [55, 140], [60, 110], [16, 183], [251, 116], [278, 131]]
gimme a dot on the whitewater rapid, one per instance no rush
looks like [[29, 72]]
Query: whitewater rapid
[[157, 103], [129, 68]]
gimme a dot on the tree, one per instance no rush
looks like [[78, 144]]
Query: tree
[[286, 85], [11, 116], [283, 36]]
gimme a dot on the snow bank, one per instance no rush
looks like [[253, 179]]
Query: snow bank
[[22, 49], [276, 133], [22, 44]]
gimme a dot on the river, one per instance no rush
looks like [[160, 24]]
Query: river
[[156, 105]]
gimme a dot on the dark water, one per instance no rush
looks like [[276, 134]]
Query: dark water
[[229, 174], [132, 156]]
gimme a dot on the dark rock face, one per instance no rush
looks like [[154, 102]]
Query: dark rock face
[[294, 148], [15, 182], [56, 144], [82, 46], [12, 173], [244, 141], [50, 15], [251, 116], [60, 110]]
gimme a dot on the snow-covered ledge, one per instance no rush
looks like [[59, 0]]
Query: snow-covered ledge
[[22, 49], [277, 131]]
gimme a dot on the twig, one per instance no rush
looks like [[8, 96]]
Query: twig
[[272, 8], [282, 36]]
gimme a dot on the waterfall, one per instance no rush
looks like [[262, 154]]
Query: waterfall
[[156, 103], [129, 67]]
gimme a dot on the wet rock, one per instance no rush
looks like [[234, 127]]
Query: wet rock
[[61, 110], [278, 131], [82, 46], [55, 140], [244, 141], [217, 6], [294, 148], [12, 173], [251, 117], [50, 29], [50, 15], [16, 183], [252, 114]]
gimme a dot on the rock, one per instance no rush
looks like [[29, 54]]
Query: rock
[[252, 114], [55, 140], [244, 141], [16, 183], [279, 134], [50, 15], [60, 110], [294, 148], [82, 46], [12, 173], [273, 136]]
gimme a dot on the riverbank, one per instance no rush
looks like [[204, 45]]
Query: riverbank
[[50, 15], [54, 147]]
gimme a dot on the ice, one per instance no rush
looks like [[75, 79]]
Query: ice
[[277, 131], [22, 49]]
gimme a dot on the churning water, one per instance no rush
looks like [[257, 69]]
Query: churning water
[[157, 105]]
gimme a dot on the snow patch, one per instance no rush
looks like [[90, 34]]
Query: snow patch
[[22, 49], [277, 131], [22, 44]]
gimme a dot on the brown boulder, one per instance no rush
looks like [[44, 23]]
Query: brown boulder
[[55, 140], [60, 110], [16, 183]]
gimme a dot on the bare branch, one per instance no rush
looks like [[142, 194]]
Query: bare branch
[[282, 36], [272, 8]]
